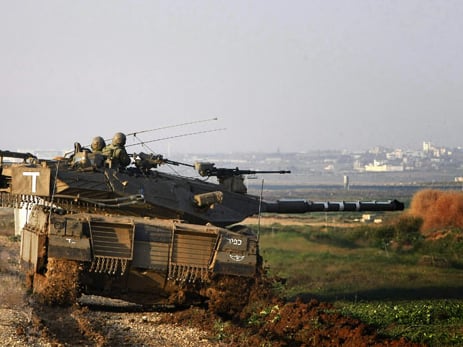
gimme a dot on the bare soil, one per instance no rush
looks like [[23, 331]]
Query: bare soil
[[26, 320]]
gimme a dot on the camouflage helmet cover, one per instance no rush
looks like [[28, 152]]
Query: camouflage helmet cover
[[118, 139], [98, 143]]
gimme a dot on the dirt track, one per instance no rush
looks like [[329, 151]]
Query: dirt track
[[269, 321]]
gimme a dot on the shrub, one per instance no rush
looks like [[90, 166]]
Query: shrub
[[438, 209]]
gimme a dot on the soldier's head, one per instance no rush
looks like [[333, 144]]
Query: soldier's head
[[98, 144], [118, 139]]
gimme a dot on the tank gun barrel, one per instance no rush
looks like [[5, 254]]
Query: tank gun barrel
[[302, 206]]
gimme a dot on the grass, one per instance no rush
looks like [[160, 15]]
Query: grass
[[433, 322], [388, 276]]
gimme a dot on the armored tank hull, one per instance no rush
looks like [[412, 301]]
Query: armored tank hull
[[141, 260]]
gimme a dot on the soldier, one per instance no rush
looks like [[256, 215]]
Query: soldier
[[96, 156], [116, 153], [98, 143]]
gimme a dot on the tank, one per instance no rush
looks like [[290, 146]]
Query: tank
[[139, 234]]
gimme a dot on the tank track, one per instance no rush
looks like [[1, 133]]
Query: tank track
[[70, 204]]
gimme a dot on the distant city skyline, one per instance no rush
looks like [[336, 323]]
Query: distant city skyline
[[426, 146], [289, 77]]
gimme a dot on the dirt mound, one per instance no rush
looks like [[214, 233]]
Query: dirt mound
[[318, 324], [266, 319], [438, 209], [287, 324], [228, 295]]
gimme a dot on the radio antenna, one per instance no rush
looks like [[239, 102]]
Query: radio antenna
[[260, 209], [171, 126], [135, 133], [142, 143]]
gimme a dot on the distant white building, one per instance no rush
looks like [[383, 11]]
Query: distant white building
[[379, 166], [429, 148]]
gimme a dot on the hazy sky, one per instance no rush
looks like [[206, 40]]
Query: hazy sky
[[279, 75]]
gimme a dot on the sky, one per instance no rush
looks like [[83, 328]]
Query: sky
[[288, 76]]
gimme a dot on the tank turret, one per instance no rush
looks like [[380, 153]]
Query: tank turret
[[141, 190]]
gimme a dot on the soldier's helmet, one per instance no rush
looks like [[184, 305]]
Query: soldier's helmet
[[118, 139], [98, 143]]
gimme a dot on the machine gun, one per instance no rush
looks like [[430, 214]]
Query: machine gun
[[208, 169], [146, 162], [230, 179], [205, 169]]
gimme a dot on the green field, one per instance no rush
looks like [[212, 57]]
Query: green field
[[387, 275]]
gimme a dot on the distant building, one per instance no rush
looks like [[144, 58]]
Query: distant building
[[427, 146], [379, 166], [430, 149]]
